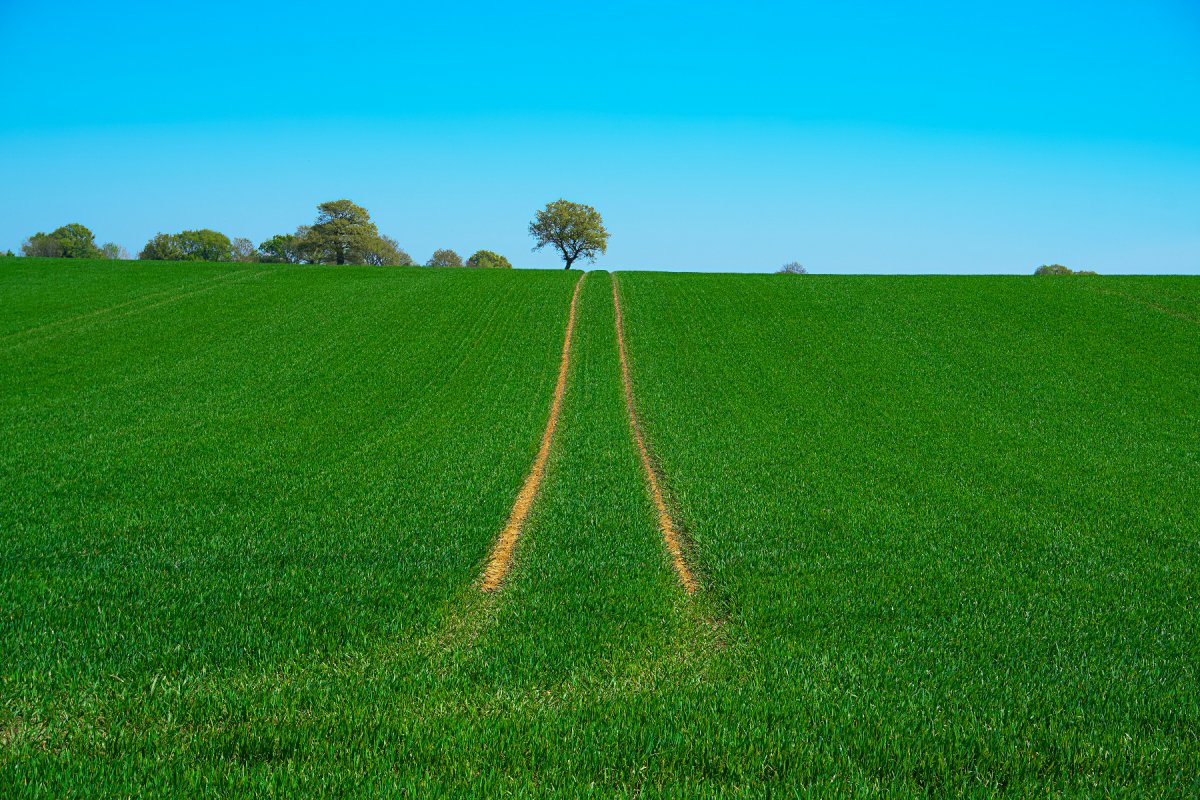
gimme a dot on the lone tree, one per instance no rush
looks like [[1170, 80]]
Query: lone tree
[[575, 230], [341, 233], [792, 268], [486, 259], [444, 258]]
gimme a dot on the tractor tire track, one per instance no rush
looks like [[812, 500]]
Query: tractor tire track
[[666, 523], [501, 557]]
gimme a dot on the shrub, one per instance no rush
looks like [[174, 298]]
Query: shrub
[[486, 259], [1059, 269]]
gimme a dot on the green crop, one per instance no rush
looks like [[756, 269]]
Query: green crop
[[945, 531], [952, 520]]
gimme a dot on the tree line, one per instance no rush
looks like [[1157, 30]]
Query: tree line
[[342, 233]]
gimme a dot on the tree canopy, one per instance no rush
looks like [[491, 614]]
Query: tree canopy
[[1059, 269], [444, 258], [486, 259], [243, 249], [573, 229], [69, 241], [284, 248], [342, 233], [114, 252], [200, 245], [792, 268], [385, 252]]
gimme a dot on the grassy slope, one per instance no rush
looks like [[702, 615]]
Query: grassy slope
[[924, 569], [223, 488], [952, 520]]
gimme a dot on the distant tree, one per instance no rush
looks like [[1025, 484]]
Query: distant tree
[[199, 245], [403, 259], [69, 241], [444, 258], [163, 247], [573, 229], [1053, 269], [342, 233], [42, 245], [286, 248], [114, 252], [243, 249], [9, 254], [279, 249], [385, 252], [792, 268], [205, 245], [77, 241], [486, 259]]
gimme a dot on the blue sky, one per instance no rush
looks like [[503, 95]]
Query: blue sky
[[851, 136]]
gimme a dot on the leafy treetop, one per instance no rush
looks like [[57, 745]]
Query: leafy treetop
[[69, 241], [342, 232], [444, 258], [200, 245], [1059, 269], [486, 259]]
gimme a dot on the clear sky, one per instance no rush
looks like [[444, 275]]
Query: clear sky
[[851, 136]]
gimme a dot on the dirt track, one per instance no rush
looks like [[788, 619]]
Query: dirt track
[[502, 551], [666, 524]]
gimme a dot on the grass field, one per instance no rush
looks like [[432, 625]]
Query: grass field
[[945, 532]]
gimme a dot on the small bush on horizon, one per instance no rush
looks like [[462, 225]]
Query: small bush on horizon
[[486, 259], [792, 268], [1059, 269]]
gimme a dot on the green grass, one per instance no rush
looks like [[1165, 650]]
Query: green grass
[[953, 520], [946, 529]]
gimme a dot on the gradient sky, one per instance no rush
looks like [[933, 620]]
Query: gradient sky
[[851, 136]]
